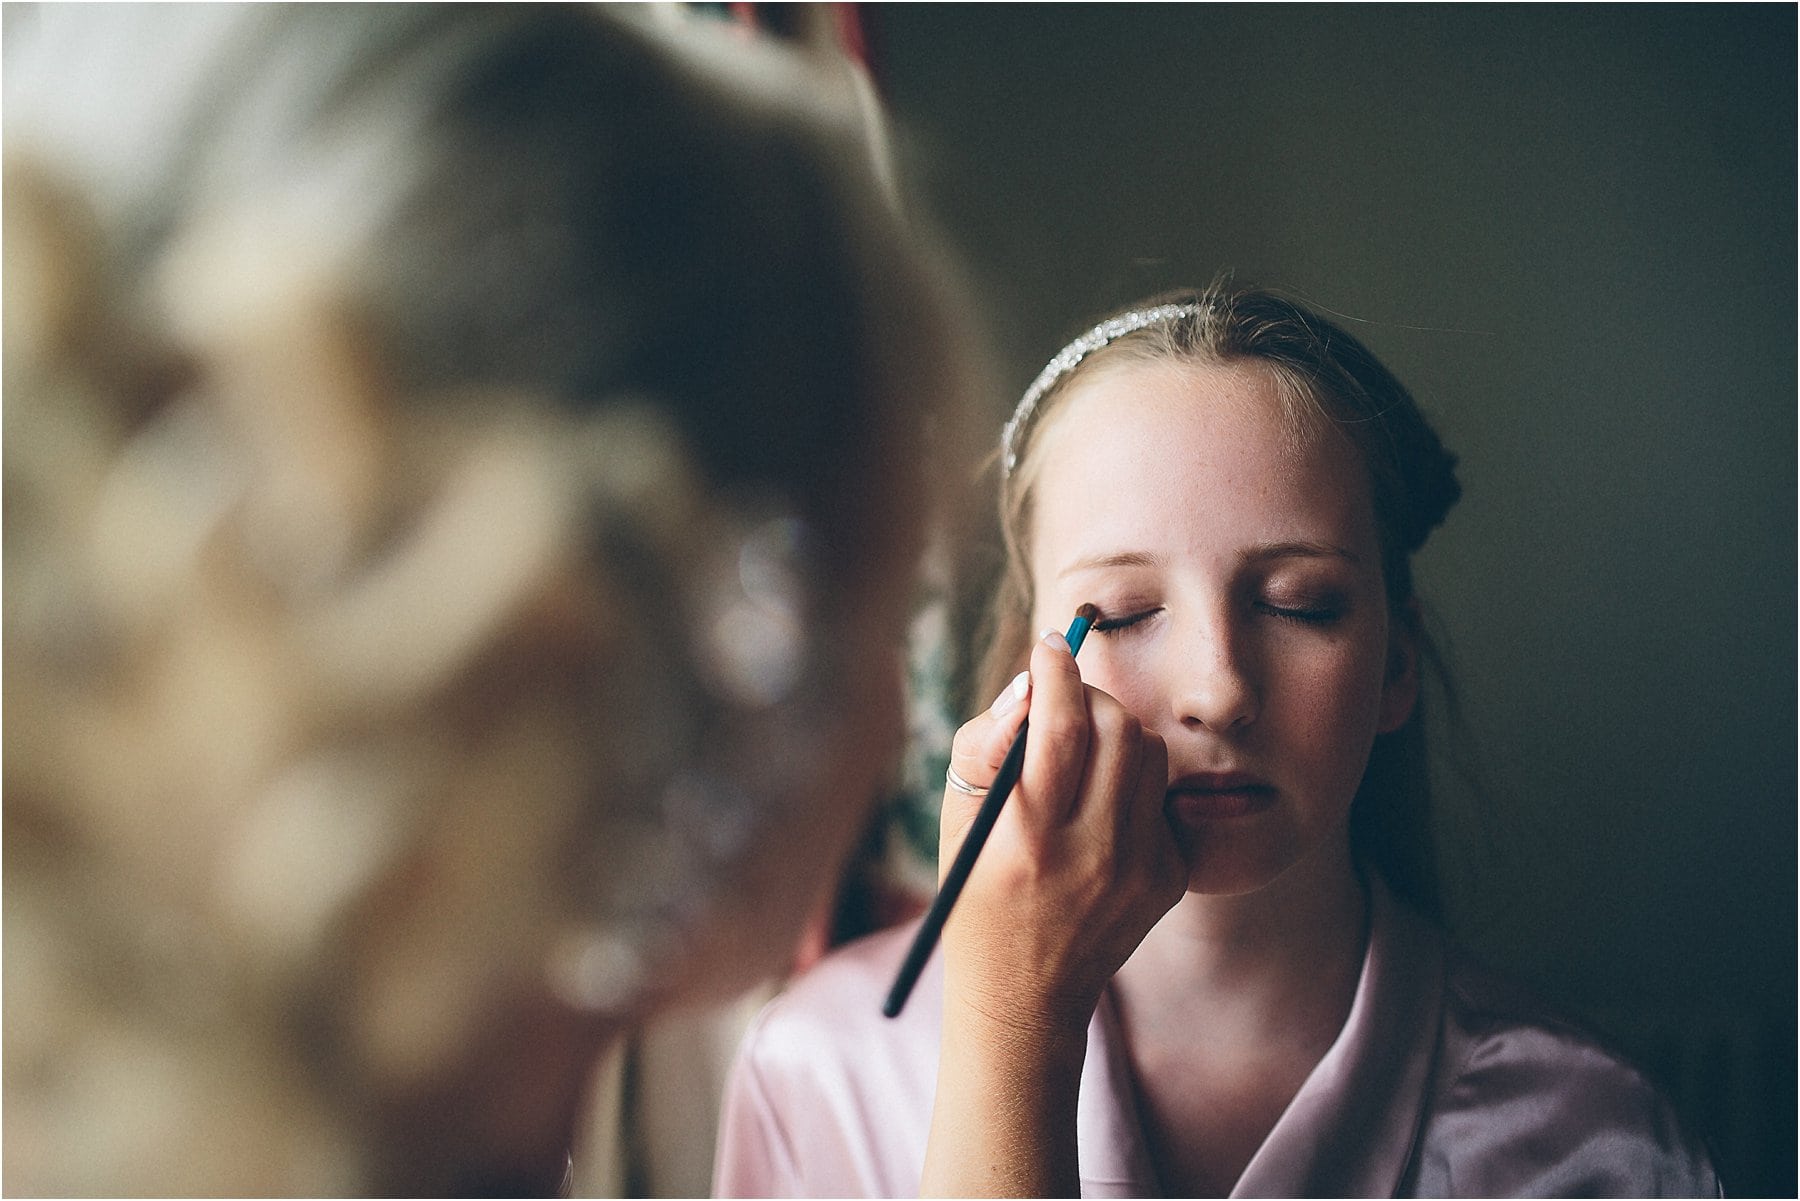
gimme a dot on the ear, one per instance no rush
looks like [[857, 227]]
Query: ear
[[1400, 690]]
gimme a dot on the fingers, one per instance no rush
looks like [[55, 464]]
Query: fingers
[[983, 740], [1057, 750], [1090, 763], [1142, 823], [1117, 752], [1152, 786], [1081, 862], [977, 751], [1085, 751]]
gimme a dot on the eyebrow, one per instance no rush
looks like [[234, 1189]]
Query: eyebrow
[[1299, 550], [1123, 558], [1261, 553]]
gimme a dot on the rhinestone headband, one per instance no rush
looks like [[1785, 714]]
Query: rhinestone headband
[[1110, 330]]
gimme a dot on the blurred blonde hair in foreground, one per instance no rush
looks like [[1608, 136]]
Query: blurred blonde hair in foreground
[[462, 492]]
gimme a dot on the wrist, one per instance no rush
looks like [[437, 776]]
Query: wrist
[[1035, 1034], [1032, 1003], [1003, 1124]]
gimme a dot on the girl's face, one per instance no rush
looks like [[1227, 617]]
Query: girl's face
[[1236, 566]]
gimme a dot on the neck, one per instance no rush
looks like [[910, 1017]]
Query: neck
[[1275, 968]]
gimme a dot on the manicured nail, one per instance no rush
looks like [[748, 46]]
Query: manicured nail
[[1011, 695], [1055, 638]]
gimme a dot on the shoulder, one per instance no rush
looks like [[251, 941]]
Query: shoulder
[[829, 1018], [1529, 1102], [828, 1097]]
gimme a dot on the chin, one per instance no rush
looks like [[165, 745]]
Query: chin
[[1231, 859], [1237, 858], [1226, 883], [1217, 874]]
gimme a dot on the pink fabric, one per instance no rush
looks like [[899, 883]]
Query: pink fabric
[[1444, 1082]]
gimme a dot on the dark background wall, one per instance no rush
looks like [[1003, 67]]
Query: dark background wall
[[1572, 232]]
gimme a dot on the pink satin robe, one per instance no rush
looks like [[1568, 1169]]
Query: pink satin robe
[[1444, 1081]]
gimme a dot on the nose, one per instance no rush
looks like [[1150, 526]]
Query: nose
[[1216, 687]]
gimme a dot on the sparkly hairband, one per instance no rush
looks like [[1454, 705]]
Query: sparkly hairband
[[1110, 330]]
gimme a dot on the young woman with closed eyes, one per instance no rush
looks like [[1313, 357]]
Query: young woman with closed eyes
[[1196, 956]]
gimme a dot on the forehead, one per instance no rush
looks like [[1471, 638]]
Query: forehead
[[1172, 450]]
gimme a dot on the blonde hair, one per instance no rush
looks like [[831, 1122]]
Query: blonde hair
[[449, 448]]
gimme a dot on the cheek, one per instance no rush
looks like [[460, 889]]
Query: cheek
[[1334, 696], [1105, 666]]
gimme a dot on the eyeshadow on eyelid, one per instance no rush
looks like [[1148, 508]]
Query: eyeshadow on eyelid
[[1122, 608], [1310, 598]]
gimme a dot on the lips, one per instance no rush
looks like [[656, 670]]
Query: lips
[[1206, 796]]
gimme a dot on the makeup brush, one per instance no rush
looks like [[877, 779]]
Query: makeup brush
[[926, 940]]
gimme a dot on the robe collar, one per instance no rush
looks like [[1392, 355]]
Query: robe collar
[[1349, 1131]]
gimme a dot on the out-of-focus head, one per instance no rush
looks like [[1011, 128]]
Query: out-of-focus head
[[462, 497]]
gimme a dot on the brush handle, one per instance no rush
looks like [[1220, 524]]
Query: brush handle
[[926, 940]]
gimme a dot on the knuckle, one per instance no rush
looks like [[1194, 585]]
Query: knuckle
[[1061, 728], [1153, 776], [980, 744], [1114, 722]]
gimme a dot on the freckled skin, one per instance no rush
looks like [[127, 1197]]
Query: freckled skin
[[1195, 472]]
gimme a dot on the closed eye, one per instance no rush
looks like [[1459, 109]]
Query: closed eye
[[1112, 625], [1324, 615]]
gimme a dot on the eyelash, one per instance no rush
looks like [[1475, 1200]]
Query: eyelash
[[1314, 617], [1113, 625], [1311, 617]]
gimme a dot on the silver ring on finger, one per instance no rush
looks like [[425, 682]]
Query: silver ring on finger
[[961, 785]]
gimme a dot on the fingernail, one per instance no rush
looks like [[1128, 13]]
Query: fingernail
[[1055, 638], [1011, 695]]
